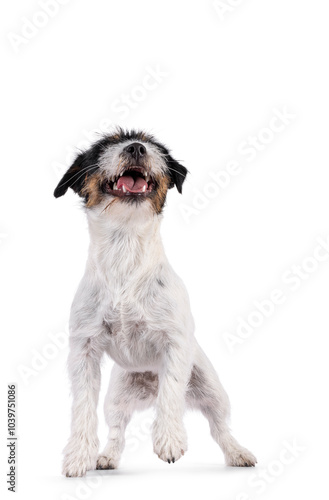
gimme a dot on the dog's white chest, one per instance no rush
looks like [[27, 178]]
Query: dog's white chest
[[129, 340], [133, 336], [137, 302]]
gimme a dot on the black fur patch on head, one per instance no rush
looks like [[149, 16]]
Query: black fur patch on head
[[177, 171], [84, 165]]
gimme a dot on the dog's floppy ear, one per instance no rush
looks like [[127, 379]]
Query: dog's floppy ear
[[83, 166], [177, 173]]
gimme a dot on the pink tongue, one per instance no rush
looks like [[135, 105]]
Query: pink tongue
[[130, 184]]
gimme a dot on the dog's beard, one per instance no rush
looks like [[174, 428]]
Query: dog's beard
[[131, 188]]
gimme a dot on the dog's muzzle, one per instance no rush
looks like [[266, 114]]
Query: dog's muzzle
[[134, 178]]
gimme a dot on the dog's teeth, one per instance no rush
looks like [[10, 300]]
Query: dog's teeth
[[114, 186], [121, 174], [124, 189], [144, 189]]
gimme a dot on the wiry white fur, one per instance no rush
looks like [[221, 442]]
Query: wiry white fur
[[109, 161], [131, 305]]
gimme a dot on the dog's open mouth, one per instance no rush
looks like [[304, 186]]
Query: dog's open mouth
[[134, 181]]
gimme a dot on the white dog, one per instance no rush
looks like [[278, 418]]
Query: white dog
[[132, 305]]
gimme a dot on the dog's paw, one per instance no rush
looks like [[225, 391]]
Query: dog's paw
[[169, 445], [106, 462], [77, 466], [78, 459], [241, 458]]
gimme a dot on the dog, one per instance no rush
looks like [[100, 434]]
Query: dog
[[132, 306]]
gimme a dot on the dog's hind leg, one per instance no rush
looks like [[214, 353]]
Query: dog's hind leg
[[206, 393], [127, 391]]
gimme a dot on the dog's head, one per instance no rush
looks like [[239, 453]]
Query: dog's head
[[126, 167]]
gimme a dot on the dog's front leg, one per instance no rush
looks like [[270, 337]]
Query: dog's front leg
[[80, 453], [169, 435]]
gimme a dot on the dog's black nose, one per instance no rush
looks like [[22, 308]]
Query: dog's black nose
[[136, 150]]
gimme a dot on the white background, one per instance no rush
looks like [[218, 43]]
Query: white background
[[224, 76]]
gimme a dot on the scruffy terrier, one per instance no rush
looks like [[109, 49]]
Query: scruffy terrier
[[133, 306]]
